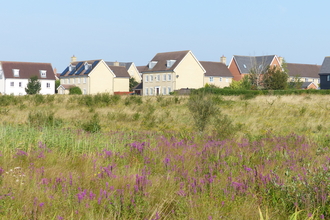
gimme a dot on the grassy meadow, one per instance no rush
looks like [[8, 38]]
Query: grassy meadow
[[132, 157]]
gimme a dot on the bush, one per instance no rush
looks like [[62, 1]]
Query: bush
[[92, 125], [43, 119], [75, 91]]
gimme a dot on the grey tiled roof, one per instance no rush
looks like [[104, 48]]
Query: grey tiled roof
[[325, 68], [246, 63], [216, 69], [303, 70], [125, 64]]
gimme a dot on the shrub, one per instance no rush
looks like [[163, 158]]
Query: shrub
[[202, 108], [93, 125], [75, 91], [43, 119]]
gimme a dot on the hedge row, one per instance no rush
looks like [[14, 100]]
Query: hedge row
[[219, 91]]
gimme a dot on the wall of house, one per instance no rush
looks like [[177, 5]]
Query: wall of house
[[16, 89], [163, 85], [233, 68], [47, 90], [101, 80], [218, 81], [133, 72], [121, 84], [189, 73]]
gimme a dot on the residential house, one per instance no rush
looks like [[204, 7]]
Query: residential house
[[309, 85], [216, 74], [94, 76], [131, 69], [325, 74], [14, 77], [305, 72], [171, 71], [240, 66]]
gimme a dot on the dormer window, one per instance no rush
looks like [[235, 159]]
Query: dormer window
[[87, 66], [152, 64], [72, 67], [16, 72], [169, 63], [43, 73]]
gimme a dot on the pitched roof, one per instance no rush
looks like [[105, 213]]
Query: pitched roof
[[246, 63], [67, 86], [325, 68], [305, 85], [27, 69], [79, 68], [127, 65], [161, 61], [216, 69], [303, 70], [140, 68], [119, 71]]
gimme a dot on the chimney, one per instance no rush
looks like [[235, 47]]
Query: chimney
[[281, 60], [223, 59], [116, 63], [73, 59]]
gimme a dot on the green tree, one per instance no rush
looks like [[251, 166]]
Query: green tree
[[57, 84], [244, 84], [132, 83], [75, 91], [275, 78], [295, 83], [33, 86]]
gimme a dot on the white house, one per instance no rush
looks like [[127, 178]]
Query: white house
[[14, 77]]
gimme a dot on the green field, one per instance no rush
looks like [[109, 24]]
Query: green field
[[132, 157]]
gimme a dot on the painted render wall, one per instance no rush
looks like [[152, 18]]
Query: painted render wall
[[165, 81], [218, 81], [190, 73], [100, 80], [121, 84]]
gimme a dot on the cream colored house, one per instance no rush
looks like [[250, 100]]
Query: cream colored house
[[216, 74], [94, 76], [171, 71], [305, 72], [131, 69]]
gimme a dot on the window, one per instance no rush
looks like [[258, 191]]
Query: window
[[164, 77], [151, 78], [73, 80], [151, 91], [211, 78], [62, 81], [84, 81], [84, 91], [42, 73], [158, 78], [169, 90], [169, 77], [220, 79], [147, 78], [152, 64], [67, 81], [318, 80], [146, 91], [164, 90], [16, 72], [48, 85], [227, 80], [169, 63], [78, 80], [11, 83], [306, 79], [20, 84]]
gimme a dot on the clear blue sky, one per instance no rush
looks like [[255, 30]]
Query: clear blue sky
[[54, 30]]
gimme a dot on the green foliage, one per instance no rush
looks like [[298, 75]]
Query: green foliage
[[243, 84], [57, 84], [40, 118], [132, 83], [75, 91], [275, 79], [295, 83], [38, 99], [93, 125], [33, 86], [202, 108]]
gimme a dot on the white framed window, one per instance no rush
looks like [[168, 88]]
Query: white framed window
[[67, 81], [318, 80], [43, 73], [158, 78], [20, 84], [16, 72], [211, 78], [151, 91], [227, 80], [48, 85], [147, 78], [78, 80], [169, 90], [306, 79], [164, 90], [85, 92], [11, 83], [220, 79], [164, 77], [73, 80], [169, 77], [151, 78], [62, 81], [84, 80], [146, 91]]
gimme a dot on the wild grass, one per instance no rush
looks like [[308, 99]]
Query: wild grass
[[71, 157]]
